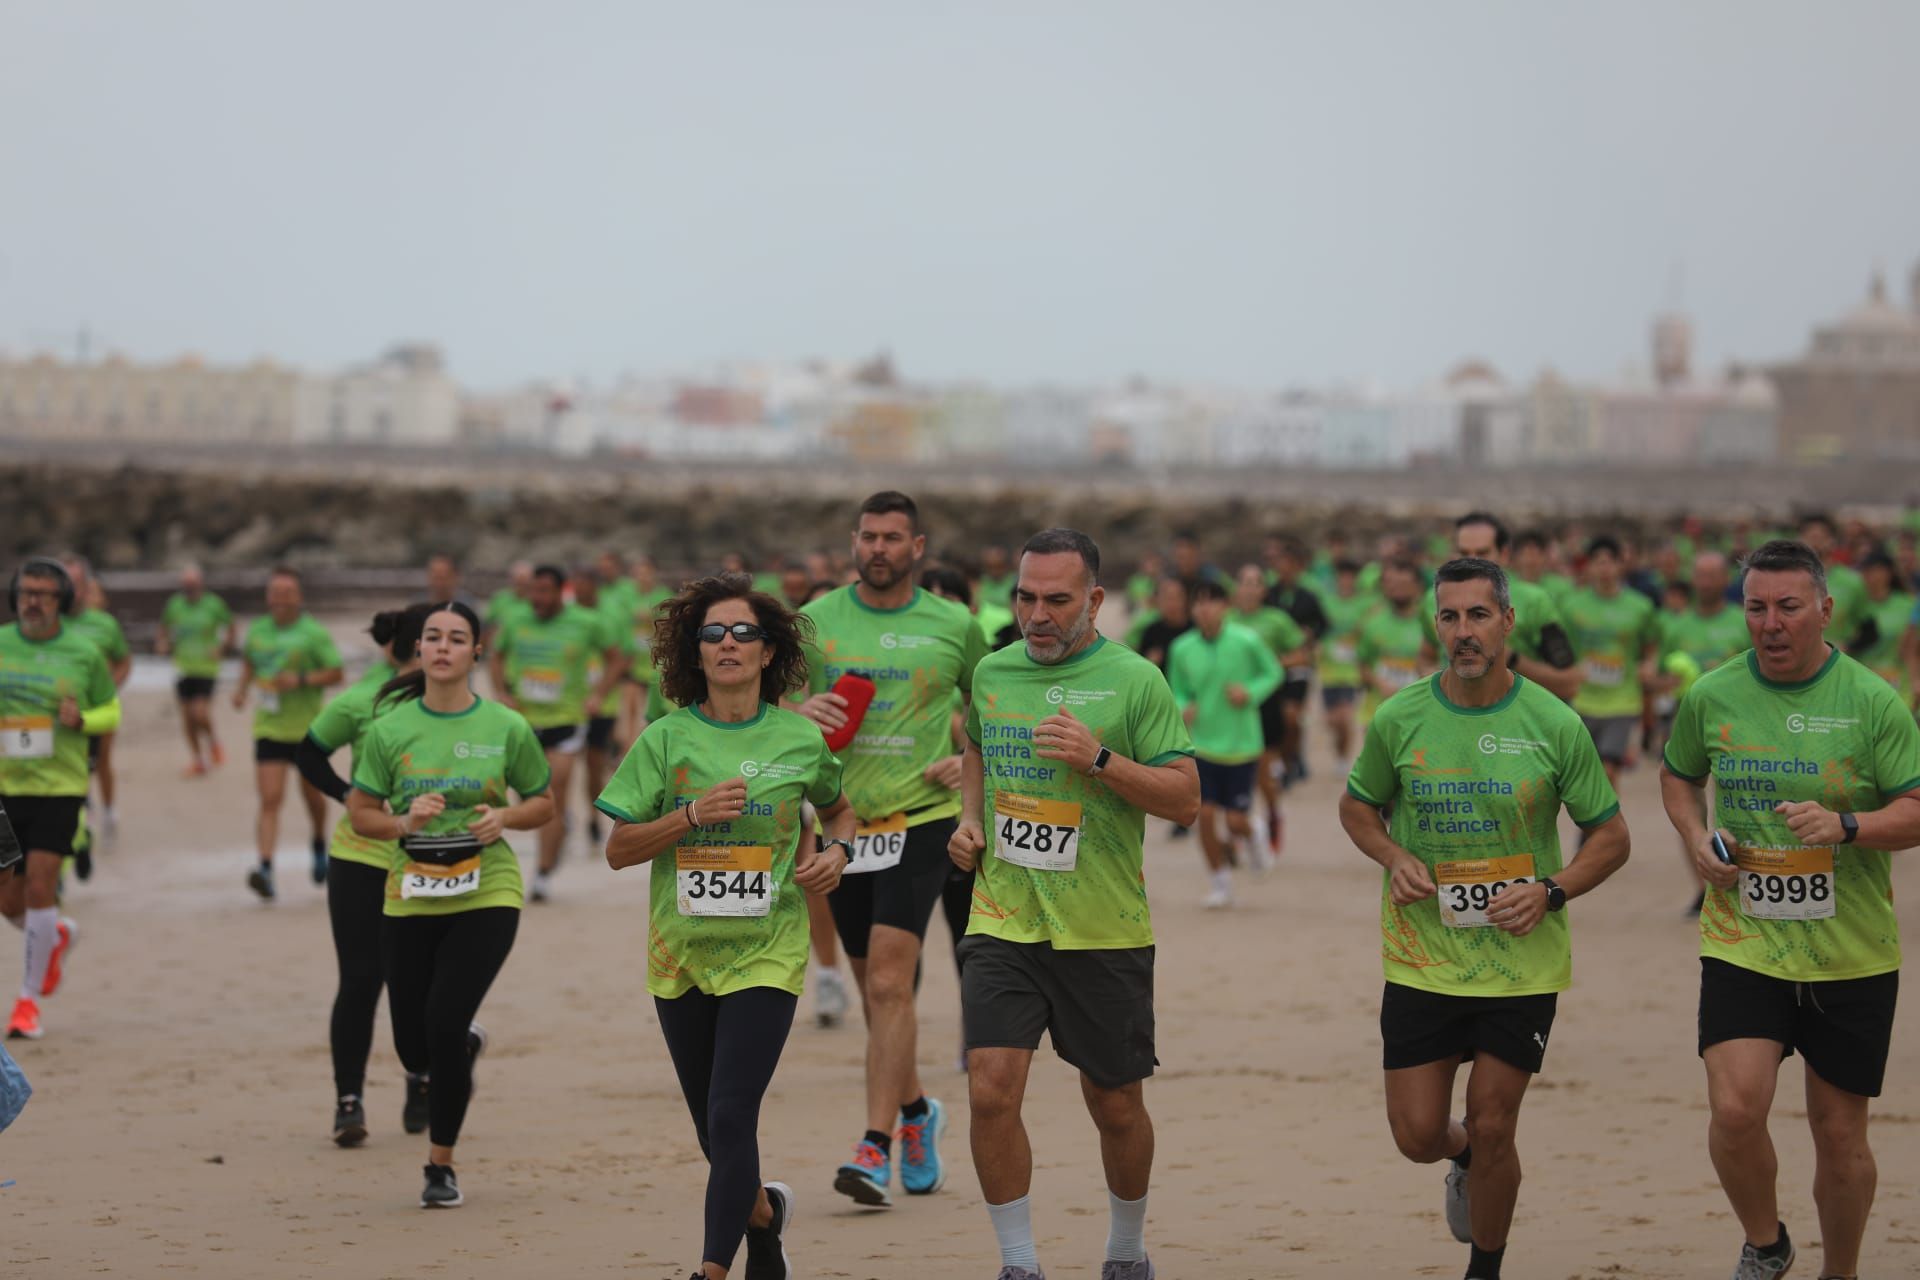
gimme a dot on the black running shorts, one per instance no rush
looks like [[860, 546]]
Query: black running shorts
[[567, 739], [43, 824], [267, 751], [193, 688], [1096, 1005], [904, 895], [1843, 1028], [1418, 1027], [600, 733]]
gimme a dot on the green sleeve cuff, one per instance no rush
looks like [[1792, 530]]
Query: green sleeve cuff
[[323, 747], [1168, 757], [615, 812], [1606, 816], [1678, 772], [1894, 793], [361, 786], [1354, 791]]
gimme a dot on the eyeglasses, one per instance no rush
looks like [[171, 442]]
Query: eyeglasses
[[744, 632]]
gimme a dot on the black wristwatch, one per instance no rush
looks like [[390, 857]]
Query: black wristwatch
[[842, 842], [1100, 760], [1851, 825], [1556, 896]]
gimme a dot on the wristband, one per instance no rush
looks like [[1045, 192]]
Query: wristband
[[693, 819]]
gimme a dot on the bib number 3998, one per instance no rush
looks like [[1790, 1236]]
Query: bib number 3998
[[1469, 886], [725, 880], [1043, 835], [1786, 884], [878, 846]]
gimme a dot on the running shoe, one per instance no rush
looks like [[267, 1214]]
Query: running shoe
[[1276, 832], [442, 1190], [68, 939], [1218, 900], [1458, 1220], [1141, 1270], [542, 886], [593, 829], [829, 997], [319, 860], [109, 821], [195, 770], [766, 1247], [414, 1115], [918, 1142], [1018, 1273], [476, 1042], [349, 1122], [83, 862], [1697, 905], [1755, 1265], [25, 1022], [219, 755], [866, 1176], [260, 880]]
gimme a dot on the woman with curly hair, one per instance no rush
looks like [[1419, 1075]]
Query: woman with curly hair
[[711, 795]]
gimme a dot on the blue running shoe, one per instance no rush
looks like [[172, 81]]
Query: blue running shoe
[[865, 1177], [918, 1142]]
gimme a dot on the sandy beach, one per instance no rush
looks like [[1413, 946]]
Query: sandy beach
[[183, 1096]]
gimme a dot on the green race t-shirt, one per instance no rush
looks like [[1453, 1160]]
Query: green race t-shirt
[[103, 629], [40, 756], [1882, 657], [1339, 655], [1393, 647], [549, 662], [1199, 671], [502, 605], [1849, 592], [1275, 627], [921, 657], [784, 758], [344, 722], [1100, 901], [1610, 634], [616, 619], [1841, 738], [1476, 794], [305, 648], [196, 629], [1709, 639], [472, 758]]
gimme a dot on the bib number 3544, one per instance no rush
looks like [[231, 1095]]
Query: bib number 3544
[[1043, 835], [1786, 884], [1469, 886], [724, 880]]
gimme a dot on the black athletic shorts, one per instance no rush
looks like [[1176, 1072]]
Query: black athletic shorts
[[904, 895], [266, 751], [1418, 1027], [1229, 786], [600, 733], [1097, 1005], [567, 739], [1333, 696], [43, 824], [192, 688], [1295, 690], [1273, 720], [1843, 1028]]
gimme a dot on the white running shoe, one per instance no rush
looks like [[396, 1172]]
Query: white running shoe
[[829, 997], [1218, 900], [1459, 1221]]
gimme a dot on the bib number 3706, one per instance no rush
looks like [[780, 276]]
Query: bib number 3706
[[1786, 884], [725, 880], [1469, 886], [1043, 835], [878, 846]]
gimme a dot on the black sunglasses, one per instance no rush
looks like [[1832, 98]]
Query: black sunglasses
[[744, 632]]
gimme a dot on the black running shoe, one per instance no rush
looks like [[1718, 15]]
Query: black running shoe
[[414, 1115], [442, 1190], [83, 863], [349, 1122], [766, 1250], [260, 880], [319, 860]]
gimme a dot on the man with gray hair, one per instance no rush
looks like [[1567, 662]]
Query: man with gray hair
[[1071, 742], [1816, 769]]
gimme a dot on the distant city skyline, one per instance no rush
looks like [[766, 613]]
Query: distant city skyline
[[1230, 194]]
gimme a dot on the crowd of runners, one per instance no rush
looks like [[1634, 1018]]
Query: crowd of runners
[[820, 757]]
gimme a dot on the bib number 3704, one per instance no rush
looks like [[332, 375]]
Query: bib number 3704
[[425, 880], [1786, 884], [1469, 886], [725, 880], [1043, 835]]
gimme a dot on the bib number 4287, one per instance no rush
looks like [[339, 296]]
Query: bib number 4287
[[1040, 834]]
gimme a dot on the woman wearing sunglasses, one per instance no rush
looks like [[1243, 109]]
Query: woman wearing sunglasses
[[711, 795], [432, 775]]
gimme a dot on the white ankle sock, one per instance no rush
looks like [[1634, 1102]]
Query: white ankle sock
[[1223, 880], [1126, 1229], [43, 931], [1013, 1223]]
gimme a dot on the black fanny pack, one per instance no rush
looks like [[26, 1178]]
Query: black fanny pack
[[442, 850]]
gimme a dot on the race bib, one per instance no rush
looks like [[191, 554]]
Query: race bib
[[1608, 673], [425, 880], [1041, 834], [541, 686], [1786, 884], [725, 880], [26, 737], [1395, 674], [1469, 885], [878, 846], [270, 700], [1343, 652]]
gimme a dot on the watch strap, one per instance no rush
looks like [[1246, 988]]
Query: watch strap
[[1850, 824], [1100, 761]]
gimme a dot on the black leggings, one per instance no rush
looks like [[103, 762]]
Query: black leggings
[[956, 901], [724, 1050], [438, 971], [355, 896]]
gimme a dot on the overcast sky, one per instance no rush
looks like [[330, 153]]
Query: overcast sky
[[1254, 194]]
